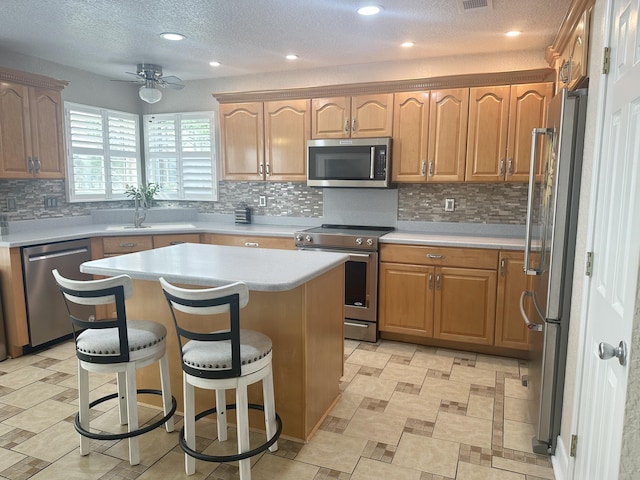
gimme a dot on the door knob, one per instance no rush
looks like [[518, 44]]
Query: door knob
[[606, 351]]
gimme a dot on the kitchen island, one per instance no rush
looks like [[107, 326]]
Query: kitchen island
[[295, 297]]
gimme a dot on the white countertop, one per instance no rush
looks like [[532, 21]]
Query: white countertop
[[214, 265], [442, 240]]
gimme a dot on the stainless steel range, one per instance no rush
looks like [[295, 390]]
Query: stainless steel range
[[361, 272]]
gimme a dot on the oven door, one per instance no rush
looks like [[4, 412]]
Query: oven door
[[360, 293]]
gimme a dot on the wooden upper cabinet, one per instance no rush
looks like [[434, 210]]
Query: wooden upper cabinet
[[449, 111], [31, 132], [362, 116], [511, 331], [500, 123], [527, 110], [410, 137], [287, 127], [242, 132], [487, 135]]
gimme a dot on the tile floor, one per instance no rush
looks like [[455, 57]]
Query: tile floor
[[406, 412]]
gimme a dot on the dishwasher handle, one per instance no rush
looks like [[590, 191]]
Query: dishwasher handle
[[61, 253]]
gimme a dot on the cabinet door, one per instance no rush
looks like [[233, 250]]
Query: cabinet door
[[487, 135], [406, 299], [448, 116], [411, 137], [331, 117], [15, 131], [129, 244], [287, 127], [512, 281], [283, 243], [465, 305], [527, 110], [372, 116], [45, 107], [175, 239], [241, 126]]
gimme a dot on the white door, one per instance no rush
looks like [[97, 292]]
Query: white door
[[616, 230]]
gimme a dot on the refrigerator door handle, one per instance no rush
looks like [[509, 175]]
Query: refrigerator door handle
[[532, 180], [536, 327]]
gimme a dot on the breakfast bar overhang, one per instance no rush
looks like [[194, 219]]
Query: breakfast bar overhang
[[296, 298]]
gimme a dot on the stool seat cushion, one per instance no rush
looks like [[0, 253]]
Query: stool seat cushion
[[141, 334], [205, 355]]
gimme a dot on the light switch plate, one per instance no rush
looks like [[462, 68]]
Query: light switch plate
[[449, 204], [262, 201]]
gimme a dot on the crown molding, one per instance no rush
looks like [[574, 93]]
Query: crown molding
[[435, 83], [571, 19], [31, 79]]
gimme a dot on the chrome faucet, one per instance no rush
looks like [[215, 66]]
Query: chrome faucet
[[138, 217]]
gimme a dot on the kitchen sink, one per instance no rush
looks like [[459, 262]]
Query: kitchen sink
[[153, 226]]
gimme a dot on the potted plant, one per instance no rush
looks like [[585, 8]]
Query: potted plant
[[148, 191]]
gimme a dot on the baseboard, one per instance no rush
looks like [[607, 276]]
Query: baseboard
[[560, 462]]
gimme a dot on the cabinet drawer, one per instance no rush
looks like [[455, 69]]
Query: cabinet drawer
[[134, 243], [284, 243], [166, 240], [440, 256]]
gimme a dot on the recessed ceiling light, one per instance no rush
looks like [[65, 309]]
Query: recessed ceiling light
[[407, 44], [172, 36], [291, 56], [370, 10], [214, 64], [513, 33]]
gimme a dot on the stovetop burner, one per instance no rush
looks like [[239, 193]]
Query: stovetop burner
[[359, 237]]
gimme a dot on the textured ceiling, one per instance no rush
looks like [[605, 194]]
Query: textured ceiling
[[109, 37]]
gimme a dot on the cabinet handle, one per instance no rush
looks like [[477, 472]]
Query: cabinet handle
[[423, 169], [430, 281], [268, 169], [431, 168], [501, 171], [436, 257], [261, 170], [510, 167], [438, 282], [346, 125], [251, 244], [30, 164], [128, 244], [502, 264], [176, 243], [353, 125], [38, 164]]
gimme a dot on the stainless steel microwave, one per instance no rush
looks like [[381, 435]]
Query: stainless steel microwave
[[358, 162]]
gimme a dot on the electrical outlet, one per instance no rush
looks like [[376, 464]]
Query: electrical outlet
[[449, 204], [262, 201], [11, 204], [50, 202]]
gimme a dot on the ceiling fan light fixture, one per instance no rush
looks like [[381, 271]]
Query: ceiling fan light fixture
[[149, 94], [173, 36]]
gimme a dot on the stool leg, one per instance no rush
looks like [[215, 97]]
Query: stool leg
[[242, 416], [269, 407], [189, 425], [132, 412], [83, 407], [122, 397], [165, 385], [221, 420]]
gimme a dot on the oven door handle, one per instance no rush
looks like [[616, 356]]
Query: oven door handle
[[359, 325], [346, 252]]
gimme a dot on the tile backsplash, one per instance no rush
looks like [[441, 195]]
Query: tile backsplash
[[474, 203]]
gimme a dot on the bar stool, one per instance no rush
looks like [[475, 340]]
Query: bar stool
[[222, 360], [117, 346]]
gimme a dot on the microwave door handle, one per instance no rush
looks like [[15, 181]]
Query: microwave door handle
[[372, 163], [532, 180]]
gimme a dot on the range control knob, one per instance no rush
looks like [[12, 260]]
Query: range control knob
[[308, 238], [358, 241], [298, 238], [369, 241]]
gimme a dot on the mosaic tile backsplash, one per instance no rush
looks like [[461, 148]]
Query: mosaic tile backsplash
[[474, 203]]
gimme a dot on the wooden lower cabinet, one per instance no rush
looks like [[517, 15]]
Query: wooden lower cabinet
[[512, 281], [175, 239], [284, 243]]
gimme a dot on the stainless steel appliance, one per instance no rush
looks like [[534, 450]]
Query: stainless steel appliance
[[549, 256], [358, 162], [47, 314], [361, 272]]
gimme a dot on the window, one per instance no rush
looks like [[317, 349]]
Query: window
[[180, 155], [103, 152]]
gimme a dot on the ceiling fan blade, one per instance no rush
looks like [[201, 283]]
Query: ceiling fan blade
[[129, 81], [172, 86], [171, 79]]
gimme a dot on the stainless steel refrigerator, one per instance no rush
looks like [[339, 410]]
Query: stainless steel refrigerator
[[552, 211]]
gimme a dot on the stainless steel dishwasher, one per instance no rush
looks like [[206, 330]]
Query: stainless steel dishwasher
[[46, 312]]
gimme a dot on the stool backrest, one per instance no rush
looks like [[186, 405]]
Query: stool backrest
[[98, 292], [209, 301]]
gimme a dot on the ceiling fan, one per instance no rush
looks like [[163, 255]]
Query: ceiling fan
[[149, 76]]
